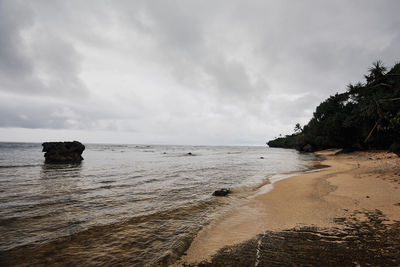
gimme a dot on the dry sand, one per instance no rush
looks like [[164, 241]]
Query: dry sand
[[359, 181]]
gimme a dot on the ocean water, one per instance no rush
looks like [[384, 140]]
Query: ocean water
[[124, 204]]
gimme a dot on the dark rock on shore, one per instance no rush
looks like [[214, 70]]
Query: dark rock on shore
[[360, 242], [308, 148], [221, 192], [395, 148], [63, 152]]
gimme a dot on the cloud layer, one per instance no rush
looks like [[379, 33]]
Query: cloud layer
[[190, 72]]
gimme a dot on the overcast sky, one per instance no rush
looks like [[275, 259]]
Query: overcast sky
[[181, 72]]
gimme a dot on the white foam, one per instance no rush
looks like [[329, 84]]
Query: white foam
[[275, 178]]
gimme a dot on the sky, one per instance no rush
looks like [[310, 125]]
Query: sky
[[223, 72]]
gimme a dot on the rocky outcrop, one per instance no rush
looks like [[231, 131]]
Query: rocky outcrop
[[63, 152], [221, 192], [373, 241]]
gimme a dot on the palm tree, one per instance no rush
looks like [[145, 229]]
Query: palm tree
[[297, 128], [371, 105], [376, 73]]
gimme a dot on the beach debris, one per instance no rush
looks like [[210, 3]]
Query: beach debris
[[221, 192], [63, 152]]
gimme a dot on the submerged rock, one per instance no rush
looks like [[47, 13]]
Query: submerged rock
[[63, 152], [221, 192]]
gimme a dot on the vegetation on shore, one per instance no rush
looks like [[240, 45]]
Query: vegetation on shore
[[366, 116]]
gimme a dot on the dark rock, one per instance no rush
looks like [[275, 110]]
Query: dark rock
[[221, 192], [395, 148], [370, 242], [261, 157], [307, 148], [189, 154], [63, 152]]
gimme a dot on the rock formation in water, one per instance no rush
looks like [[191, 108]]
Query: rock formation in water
[[63, 152]]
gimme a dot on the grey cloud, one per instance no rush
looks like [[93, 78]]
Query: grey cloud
[[218, 64], [186, 45], [295, 40], [49, 113], [12, 59], [32, 60], [233, 81], [57, 65], [15, 67]]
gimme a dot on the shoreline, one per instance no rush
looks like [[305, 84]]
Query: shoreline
[[355, 185]]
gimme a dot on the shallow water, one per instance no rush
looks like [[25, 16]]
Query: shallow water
[[140, 205]]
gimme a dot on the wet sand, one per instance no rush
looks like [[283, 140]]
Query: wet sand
[[350, 209]]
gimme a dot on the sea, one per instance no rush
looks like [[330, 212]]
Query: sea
[[131, 205]]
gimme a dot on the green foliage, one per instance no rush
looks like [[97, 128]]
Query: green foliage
[[365, 116], [289, 141]]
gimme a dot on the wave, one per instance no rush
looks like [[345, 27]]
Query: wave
[[20, 166], [158, 238]]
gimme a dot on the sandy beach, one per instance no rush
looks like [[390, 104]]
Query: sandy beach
[[346, 213]]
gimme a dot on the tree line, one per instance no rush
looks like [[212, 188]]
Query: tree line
[[366, 116]]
